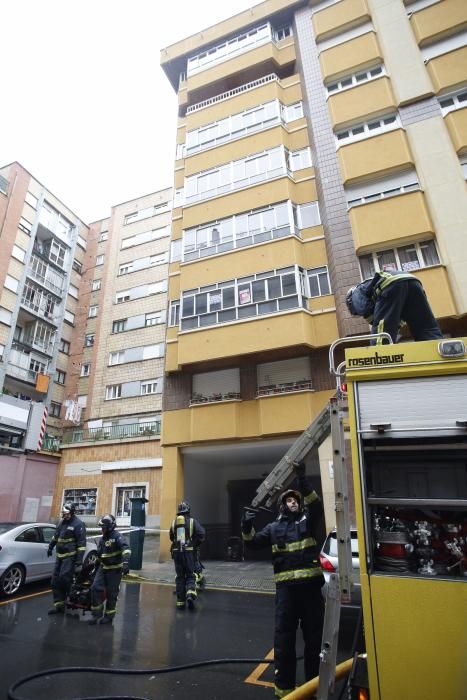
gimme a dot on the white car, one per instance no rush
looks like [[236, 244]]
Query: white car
[[23, 554], [330, 563]]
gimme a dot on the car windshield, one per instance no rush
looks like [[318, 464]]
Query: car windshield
[[331, 544]]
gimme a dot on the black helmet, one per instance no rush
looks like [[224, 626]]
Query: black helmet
[[348, 299], [108, 522], [183, 507], [285, 495], [68, 507]]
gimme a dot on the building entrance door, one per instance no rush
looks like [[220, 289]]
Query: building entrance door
[[123, 502]]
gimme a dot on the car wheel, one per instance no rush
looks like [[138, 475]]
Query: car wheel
[[90, 558], [12, 579]]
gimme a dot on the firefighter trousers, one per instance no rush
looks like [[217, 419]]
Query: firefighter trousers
[[62, 578], [184, 575], [297, 603], [105, 587]]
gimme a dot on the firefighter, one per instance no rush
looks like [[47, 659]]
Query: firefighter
[[113, 555], [70, 540], [392, 297], [186, 535], [298, 579]]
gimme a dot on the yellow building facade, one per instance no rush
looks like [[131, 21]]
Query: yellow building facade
[[317, 142]]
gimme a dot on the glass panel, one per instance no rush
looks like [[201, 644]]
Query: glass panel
[[288, 284], [247, 311], [228, 297], [201, 303], [274, 287], [409, 258], [188, 306], [387, 260], [244, 294], [429, 253], [259, 290]]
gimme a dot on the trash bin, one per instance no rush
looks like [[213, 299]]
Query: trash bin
[[137, 520]]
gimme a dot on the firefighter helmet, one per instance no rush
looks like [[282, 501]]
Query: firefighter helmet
[[107, 522], [183, 507], [287, 494], [348, 299], [68, 508]]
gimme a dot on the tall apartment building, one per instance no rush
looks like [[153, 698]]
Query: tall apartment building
[[317, 142], [82, 334], [111, 453], [42, 249]]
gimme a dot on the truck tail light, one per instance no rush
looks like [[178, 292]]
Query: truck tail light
[[326, 564]]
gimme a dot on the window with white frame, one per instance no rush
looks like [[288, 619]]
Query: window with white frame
[[176, 250], [299, 159], [407, 258], [64, 346], [55, 409], [159, 259], [318, 281], [25, 225], [119, 326], [103, 236], [236, 174], [306, 215], [174, 313], [153, 319], [57, 253], [146, 237], [457, 100], [99, 260], [31, 200], [113, 391], [292, 112], [366, 129], [11, 283], [121, 297], [362, 76], [89, 340], [69, 317], [222, 385], [138, 215], [391, 186], [117, 357], [85, 369], [18, 253], [77, 266], [234, 300], [55, 222], [92, 313], [96, 285], [81, 242], [84, 500], [5, 316], [125, 268], [151, 386], [178, 197], [73, 291]]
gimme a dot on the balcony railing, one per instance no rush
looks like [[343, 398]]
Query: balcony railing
[[284, 388], [212, 398], [114, 432], [232, 93], [251, 238], [51, 443], [45, 275], [19, 366]]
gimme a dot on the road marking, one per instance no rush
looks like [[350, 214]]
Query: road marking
[[24, 597], [254, 677]]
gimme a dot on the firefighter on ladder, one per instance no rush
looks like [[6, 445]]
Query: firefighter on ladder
[[298, 578], [186, 535]]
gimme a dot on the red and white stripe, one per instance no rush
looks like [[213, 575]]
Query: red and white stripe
[[43, 427]]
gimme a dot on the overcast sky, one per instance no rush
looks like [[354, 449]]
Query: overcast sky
[[86, 107]]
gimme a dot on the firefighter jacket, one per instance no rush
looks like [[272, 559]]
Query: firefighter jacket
[[70, 539], [294, 548], [113, 551], [185, 534], [380, 281]]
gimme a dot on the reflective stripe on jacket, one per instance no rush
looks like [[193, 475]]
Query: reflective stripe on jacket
[[186, 533], [113, 551], [70, 539]]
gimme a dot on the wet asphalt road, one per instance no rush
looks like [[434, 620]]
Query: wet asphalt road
[[148, 633]]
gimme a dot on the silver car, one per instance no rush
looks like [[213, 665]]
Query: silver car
[[23, 554], [330, 563]]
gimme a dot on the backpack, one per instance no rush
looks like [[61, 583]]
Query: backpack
[[360, 299]]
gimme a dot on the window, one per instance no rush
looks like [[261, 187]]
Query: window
[[119, 326], [64, 346], [355, 79], [125, 268], [367, 129], [158, 259], [95, 285], [318, 281], [11, 283], [73, 291], [18, 253], [457, 100], [25, 225], [31, 200], [92, 313], [300, 159], [84, 500], [154, 318], [138, 215], [146, 237], [99, 260], [391, 192], [60, 376], [113, 391], [5, 316], [306, 215], [153, 386], [116, 358], [55, 409], [103, 236], [77, 267], [69, 317], [283, 33], [406, 258], [174, 317], [176, 250], [85, 369], [120, 297]]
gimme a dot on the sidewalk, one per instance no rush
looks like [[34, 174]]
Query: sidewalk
[[244, 575]]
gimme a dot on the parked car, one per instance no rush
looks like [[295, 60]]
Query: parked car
[[330, 563], [23, 554]]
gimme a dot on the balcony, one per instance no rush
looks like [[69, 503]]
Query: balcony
[[284, 388], [448, 70], [198, 399], [39, 302], [272, 77], [376, 156], [457, 127], [339, 17], [403, 217], [365, 100], [25, 366], [115, 432], [350, 56], [248, 240], [45, 275], [432, 23], [51, 443]]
